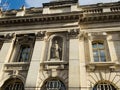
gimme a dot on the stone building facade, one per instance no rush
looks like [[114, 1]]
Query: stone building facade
[[61, 46]]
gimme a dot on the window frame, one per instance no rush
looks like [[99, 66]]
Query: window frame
[[98, 50], [22, 40]]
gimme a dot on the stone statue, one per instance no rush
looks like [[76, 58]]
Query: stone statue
[[56, 50]]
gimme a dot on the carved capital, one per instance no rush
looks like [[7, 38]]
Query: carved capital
[[40, 35], [73, 33], [7, 37]]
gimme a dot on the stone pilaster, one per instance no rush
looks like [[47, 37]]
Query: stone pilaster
[[83, 76], [74, 65], [5, 52], [34, 68]]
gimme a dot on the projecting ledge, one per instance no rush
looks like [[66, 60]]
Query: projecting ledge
[[55, 64], [92, 66], [21, 66]]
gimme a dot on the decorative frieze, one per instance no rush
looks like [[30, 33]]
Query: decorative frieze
[[97, 35], [25, 38], [41, 19]]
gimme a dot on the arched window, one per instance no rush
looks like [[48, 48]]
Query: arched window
[[24, 53], [54, 84], [13, 84], [98, 51], [104, 86]]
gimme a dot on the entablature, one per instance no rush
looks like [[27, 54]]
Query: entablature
[[100, 18], [43, 19]]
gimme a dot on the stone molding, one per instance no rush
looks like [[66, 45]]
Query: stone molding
[[25, 38], [43, 19]]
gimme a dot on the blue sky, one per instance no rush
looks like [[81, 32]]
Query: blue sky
[[16, 4]]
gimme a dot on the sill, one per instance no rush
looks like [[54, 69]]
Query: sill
[[112, 66], [17, 63], [54, 64], [20, 66], [101, 63]]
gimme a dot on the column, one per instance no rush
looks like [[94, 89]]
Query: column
[[34, 65], [74, 65]]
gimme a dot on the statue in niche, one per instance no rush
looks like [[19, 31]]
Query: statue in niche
[[56, 50]]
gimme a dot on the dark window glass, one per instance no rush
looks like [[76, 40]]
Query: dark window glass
[[24, 53]]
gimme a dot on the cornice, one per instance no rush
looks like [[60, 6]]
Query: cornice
[[100, 18], [45, 18]]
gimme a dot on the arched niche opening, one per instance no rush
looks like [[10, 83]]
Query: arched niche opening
[[104, 86], [13, 84], [53, 84]]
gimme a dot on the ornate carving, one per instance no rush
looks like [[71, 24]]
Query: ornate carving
[[73, 33], [40, 35], [7, 37], [25, 38]]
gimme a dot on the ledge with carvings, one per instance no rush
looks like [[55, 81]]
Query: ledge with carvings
[[46, 18], [100, 17], [20, 66], [112, 66], [53, 64]]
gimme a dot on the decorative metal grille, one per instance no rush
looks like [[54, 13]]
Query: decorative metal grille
[[54, 85], [104, 86]]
